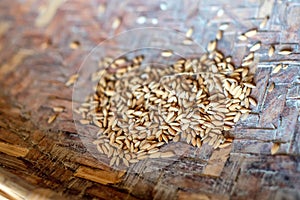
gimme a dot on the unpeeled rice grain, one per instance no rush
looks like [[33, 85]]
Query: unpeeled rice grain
[[155, 105], [251, 32], [285, 52]]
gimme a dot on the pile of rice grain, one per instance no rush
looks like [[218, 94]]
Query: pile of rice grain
[[140, 109]]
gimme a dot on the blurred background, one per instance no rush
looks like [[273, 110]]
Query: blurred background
[[44, 42]]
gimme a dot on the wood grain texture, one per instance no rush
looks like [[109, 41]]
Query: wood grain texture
[[99, 176], [13, 150], [37, 61], [14, 188]]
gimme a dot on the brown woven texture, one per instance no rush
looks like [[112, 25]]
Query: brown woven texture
[[36, 60]]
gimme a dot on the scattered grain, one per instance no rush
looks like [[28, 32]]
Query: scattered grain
[[242, 37], [271, 87], [52, 118], [223, 26], [285, 66], [264, 22], [277, 68], [212, 45], [255, 47], [189, 33], [74, 45], [58, 109], [219, 35], [224, 145], [187, 41], [72, 80], [167, 53], [285, 51], [251, 32], [275, 148], [271, 51], [116, 23]]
